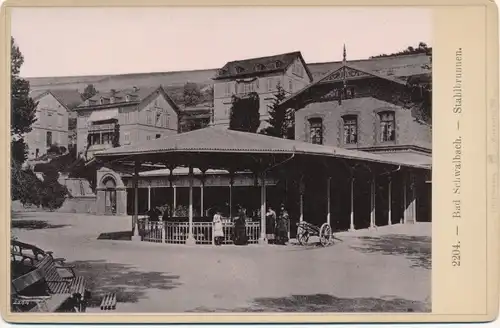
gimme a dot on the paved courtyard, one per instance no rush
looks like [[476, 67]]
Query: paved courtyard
[[387, 269]]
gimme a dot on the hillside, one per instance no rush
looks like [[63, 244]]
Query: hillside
[[400, 66]]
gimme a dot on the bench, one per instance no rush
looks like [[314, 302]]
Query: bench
[[62, 284], [108, 302], [30, 253], [30, 293]]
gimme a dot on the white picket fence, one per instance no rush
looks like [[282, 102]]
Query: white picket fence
[[177, 232]]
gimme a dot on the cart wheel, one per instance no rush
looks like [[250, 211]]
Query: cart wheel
[[325, 234], [302, 236]]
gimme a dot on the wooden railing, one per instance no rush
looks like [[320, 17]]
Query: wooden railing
[[177, 232]]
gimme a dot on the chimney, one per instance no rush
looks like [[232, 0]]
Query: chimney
[[135, 88]]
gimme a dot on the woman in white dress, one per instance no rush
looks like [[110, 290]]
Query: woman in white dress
[[217, 229]]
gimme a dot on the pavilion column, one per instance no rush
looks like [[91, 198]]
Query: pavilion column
[[202, 210], [175, 201], [351, 227], [328, 200], [389, 204], [301, 205], [231, 182], [170, 178], [403, 220], [149, 198], [135, 219], [262, 239], [190, 239], [412, 206], [372, 203]]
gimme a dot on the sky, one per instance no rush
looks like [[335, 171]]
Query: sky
[[98, 41]]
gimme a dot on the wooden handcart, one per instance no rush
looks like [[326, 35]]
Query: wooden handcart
[[306, 230]]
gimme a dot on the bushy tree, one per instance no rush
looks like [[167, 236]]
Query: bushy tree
[[421, 48], [89, 91], [192, 94], [23, 108], [280, 118], [245, 114]]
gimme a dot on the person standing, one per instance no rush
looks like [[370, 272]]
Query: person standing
[[240, 233], [270, 225], [282, 226], [218, 231]]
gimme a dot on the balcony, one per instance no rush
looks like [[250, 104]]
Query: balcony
[[108, 127]]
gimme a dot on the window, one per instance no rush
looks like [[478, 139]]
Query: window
[[387, 126], [148, 137], [49, 139], [106, 138], [59, 120], [239, 69], [228, 89], [126, 138], [278, 64], [316, 130], [350, 129], [270, 84], [290, 85], [159, 118], [158, 136], [149, 117], [37, 153]]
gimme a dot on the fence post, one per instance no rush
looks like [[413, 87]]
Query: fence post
[[213, 237], [163, 232]]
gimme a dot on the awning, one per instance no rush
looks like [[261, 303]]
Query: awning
[[221, 140], [103, 115], [411, 158]]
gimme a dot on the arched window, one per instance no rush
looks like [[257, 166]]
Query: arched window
[[350, 129], [387, 126], [316, 130]]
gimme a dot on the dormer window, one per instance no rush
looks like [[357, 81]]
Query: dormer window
[[127, 98], [222, 72], [102, 101], [112, 100], [259, 67], [278, 64], [92, 102], [239, 69]]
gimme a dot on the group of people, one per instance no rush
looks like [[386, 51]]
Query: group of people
[[277, 227], [240, 232]]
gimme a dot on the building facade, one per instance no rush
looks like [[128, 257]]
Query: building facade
[[260, 75], [53, 111], [124, 117], [357, 109]]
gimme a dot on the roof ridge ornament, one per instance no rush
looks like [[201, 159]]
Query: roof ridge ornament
[[344, 60]]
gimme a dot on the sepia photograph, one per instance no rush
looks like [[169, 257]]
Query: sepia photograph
[[221, 160]]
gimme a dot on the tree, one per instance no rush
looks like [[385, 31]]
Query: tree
[[422, 48], [192, 94], [245, 114], [280, 118], [89, 91], [23, 108]]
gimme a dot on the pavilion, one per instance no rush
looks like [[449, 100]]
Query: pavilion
[[354, 189]]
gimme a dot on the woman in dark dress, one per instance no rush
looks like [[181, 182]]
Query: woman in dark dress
[[240, 233], [282, 227]]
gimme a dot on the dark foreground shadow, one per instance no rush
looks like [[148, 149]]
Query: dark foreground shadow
[[116, 235], [129, 284], [35, 224], [326, 303], [416, 248]]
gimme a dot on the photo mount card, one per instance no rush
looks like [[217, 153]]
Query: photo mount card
[[250, 162]]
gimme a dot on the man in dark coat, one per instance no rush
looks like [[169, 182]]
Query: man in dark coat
[[282, 226], [240, 233]]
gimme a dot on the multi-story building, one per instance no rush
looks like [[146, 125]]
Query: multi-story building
[[260, 75], [125, 117], [358, 109], [53, 111]]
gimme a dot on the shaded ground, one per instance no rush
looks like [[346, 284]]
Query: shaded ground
[[326, 303], [35, 224], [416, 248], [366, 271], [128, 283]]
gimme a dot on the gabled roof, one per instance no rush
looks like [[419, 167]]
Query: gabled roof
[[347, 66], [70, 99], [260, 66], [218, 139], [137, 96]]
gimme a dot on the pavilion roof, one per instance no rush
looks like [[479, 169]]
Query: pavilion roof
[[217, 139]]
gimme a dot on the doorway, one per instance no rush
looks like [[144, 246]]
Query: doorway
[[110, 196]]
